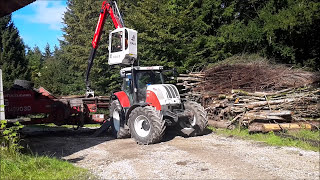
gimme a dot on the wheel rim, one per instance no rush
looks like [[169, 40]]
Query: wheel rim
[[116, 120], [142, 126]]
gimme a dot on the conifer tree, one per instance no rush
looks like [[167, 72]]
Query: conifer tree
[[80, 23], [35, 60], [47, 52], [12, 53]]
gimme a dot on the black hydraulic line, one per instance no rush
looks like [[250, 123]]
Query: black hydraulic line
[[90, 64]]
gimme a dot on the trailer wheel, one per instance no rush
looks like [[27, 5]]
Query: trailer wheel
[[198, 121], [117, 119], [146, 125]]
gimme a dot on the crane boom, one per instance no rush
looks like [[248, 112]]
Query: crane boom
[[107, 7]]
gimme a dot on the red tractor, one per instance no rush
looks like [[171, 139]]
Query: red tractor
[[146, 105]]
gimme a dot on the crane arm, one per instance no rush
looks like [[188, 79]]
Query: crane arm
[[111, 8]]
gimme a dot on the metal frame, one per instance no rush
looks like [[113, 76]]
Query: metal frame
[[2, 110]]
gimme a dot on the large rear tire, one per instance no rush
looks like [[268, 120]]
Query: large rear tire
[[199, 120], [117, 118], [146, 125]]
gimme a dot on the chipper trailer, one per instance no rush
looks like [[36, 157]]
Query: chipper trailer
[[146, 105]]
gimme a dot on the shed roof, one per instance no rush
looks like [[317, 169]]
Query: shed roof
[[8, 6]]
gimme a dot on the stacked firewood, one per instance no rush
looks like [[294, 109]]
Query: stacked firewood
[[187, 82], [292, 108]]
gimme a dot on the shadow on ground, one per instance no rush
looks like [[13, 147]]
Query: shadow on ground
[[172, 132], [61, 142]]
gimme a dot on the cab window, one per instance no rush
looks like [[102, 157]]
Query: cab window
[[116, 42]]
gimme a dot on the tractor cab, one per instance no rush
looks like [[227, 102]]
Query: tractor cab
[[137, 79]]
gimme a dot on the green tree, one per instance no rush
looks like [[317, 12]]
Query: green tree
[[283, 30], [80, 22], [54, 76], [47, 52], [35, 59], [12, 53]]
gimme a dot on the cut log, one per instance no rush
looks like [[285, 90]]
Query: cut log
[[279, 113], [201, 75], [189, 79], [185, 83], [250, 117], [262, 94], [262, 127], [279, 116], [264, 103], [221, 124]]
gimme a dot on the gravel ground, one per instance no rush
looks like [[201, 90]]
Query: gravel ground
[[203, 157]]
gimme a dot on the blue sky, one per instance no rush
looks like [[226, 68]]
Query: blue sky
[[40, 23]]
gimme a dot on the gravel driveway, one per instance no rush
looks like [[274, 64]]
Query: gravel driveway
[[203, 157]]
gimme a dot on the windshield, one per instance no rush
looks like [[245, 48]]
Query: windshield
[[145, 78]]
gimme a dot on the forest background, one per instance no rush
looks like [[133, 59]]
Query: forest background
[[186, 34]]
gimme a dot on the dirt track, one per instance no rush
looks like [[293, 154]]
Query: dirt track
[[204, 157]]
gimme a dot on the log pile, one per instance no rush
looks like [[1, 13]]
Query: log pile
[[188, 82], [287, 99], [264, 111]]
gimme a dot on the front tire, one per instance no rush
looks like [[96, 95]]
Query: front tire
[[117, 118], [199, 120], [146, 125]]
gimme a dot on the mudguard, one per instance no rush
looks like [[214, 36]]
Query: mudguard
[[123, 99], [153, 100]]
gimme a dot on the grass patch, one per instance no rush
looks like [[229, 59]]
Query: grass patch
[[51, 125], [21, 166], [274, 140], [305, 134]]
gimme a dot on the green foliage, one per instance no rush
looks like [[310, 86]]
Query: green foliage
[[193, 33], [188, 35], [20, 166], [50, 71], [54, 76], [80, 22], [47, 52], [9, 137], [283, 30], [12, 54], [15, 165], [35, 60], [305, 134]]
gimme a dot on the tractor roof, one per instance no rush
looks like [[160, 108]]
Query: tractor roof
[[138, 68]]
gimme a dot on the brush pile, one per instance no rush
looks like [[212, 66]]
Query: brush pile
[[286, 99], [254, 77]]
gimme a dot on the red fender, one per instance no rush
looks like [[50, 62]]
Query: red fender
[[153, 100], [123, 99]]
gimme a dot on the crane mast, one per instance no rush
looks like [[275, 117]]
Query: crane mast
[[111, 8]]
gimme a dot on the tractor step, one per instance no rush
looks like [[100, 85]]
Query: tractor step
[[187, 131]]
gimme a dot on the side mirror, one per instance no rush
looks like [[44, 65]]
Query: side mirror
[[175, 72], [122, 74]]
